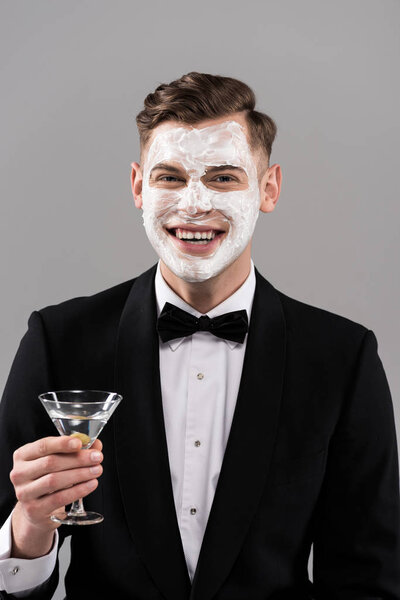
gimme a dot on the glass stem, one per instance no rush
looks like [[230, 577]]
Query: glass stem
[[77, 508]]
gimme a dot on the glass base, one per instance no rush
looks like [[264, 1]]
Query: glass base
[[88, 518]]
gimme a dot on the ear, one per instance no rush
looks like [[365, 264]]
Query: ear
[[270, 188], [136, 184]]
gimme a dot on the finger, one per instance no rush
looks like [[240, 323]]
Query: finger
[[55, 482], [48, 504], [26, 471], [97, 445], [46, 446]]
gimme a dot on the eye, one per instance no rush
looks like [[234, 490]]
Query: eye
[[224, 178], [168, 178]]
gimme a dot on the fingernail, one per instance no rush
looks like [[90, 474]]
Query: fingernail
[[95, 470], [95, 456], [92, 483]]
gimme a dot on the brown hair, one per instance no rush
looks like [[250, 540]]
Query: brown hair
[[198, 96]]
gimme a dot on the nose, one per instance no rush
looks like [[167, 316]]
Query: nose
[[194, 199]]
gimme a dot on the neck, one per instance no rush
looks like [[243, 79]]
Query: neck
[[205, 295]]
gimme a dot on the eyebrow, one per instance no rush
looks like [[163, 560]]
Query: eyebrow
[[211, 169], [224, 168], [165, 167]]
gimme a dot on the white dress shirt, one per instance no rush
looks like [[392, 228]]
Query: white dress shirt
[[200, 376]]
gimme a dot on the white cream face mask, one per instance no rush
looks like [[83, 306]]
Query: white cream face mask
[[197, 223]]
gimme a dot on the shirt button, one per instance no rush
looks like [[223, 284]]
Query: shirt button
[[197, 443], [14, 571], [200, 376], [193, 511]]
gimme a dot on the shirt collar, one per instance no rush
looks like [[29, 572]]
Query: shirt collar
[[241, 299]]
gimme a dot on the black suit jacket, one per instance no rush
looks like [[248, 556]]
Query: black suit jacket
[[311, 457]]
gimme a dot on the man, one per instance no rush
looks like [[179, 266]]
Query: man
[[252, 425]]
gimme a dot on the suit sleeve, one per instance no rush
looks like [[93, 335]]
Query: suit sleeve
[[356, 553], [23, 420]]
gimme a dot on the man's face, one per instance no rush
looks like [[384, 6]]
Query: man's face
[[200, 196]]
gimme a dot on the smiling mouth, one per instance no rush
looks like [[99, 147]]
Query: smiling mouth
[[196, 237]]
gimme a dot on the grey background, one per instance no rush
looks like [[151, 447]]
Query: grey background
[[74, 75]]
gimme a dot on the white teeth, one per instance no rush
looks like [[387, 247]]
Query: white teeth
[[184, 234]]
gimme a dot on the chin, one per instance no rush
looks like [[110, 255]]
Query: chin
[[196, 269], [191, 268]]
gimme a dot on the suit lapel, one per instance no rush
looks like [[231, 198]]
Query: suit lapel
[[141, 445], [249, 449]]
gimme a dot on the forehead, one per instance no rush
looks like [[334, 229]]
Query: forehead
[[216, 144], [239, 117]]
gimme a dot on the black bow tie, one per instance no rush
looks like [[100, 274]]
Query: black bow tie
[[174, 323]]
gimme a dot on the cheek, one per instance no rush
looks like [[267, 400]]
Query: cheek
[[158, 202], [237, 206]]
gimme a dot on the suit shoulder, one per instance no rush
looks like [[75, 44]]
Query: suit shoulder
[[318, 323], [89, 307]]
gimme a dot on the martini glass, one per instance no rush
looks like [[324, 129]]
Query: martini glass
[[82, 414]]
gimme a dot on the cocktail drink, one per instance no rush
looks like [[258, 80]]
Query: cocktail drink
[[81, 414]]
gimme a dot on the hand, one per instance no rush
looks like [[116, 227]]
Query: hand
[[48, 474]]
